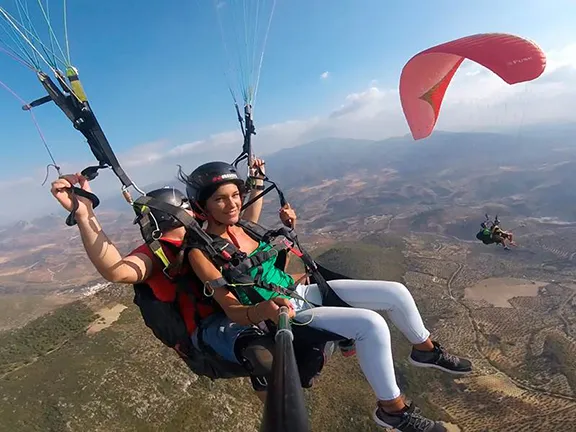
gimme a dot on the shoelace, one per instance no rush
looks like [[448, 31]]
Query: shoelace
[[449, 357], [417, 421]]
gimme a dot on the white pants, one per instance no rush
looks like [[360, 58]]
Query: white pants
[[367, 327]]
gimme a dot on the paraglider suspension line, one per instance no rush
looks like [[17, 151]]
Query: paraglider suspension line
[[56, 167]]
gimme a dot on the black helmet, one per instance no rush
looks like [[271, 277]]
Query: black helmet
[[171, 196], [205, 179]]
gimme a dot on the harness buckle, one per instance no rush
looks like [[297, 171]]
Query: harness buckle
[[236, 260], [166, 271]]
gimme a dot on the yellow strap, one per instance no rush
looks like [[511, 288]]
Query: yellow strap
[[162, 256], [75, 83]]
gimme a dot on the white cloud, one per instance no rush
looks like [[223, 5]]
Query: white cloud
[[217, 140], [476, 100], [145, 154], [556, 59], [325, 75]]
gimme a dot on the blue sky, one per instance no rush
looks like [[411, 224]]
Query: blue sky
[[154, 75]]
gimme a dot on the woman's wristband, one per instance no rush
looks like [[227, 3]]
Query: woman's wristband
[[248, 309]]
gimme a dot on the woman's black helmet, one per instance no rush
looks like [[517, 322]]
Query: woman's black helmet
[[205, 179], [171, 196]]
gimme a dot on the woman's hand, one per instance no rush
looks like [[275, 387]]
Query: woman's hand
[[270, 309], [288, 216], [258, 168]]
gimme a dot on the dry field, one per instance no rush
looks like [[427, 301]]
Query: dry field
[[499, 291], [107, 316], [517, 331]]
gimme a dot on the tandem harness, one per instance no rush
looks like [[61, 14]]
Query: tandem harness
[[164, 318], [312, 346], [235, 264]]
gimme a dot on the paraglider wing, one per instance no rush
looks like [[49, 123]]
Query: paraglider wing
[[427, 75]]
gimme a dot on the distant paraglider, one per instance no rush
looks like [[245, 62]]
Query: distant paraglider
[[492, 233], [427, 75]]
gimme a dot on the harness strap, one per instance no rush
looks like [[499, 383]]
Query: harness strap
[[234, 263], [157, 250], [215, 283], [260, 233], [244, 282], [151, 236], [264, 192], [183, 282], [227, 252], [258, 259], [256, 231], [325, 290], [151, 233], [143, 202]]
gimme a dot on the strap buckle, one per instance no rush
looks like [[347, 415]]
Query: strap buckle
[[167, 272], [210, 286]]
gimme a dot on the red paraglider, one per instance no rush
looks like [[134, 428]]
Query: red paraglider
[[426, 76]]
